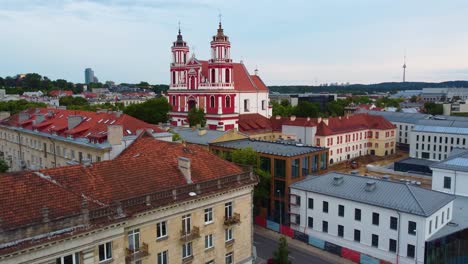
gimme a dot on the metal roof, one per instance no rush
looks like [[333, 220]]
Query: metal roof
[[459, 219], [424, 162], [387, 194], [410, 118], [441, 129], [192, 136], [269, 147], [457, 162]]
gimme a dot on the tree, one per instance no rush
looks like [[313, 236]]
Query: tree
[[153, 111], [245, 156], [306, 109], [72, 101], [281, 255], [281, 109], [196, 116], [433, 108], [3, 166], [413, 99]]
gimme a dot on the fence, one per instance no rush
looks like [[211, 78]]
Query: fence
[[343, 252]]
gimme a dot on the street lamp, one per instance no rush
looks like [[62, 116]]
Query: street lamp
[[280, 213]]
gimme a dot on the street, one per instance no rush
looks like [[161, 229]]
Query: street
[[266, 246]]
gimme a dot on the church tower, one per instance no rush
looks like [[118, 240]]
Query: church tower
[[180, 52], [220, 64]]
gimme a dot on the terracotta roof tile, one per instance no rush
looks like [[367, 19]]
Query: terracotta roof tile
[[337, 125]]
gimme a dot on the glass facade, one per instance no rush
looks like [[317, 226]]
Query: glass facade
[[265, 164], [280, 168], [305, 166], [294, 168]]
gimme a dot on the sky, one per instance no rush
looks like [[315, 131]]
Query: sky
[[290, 42]]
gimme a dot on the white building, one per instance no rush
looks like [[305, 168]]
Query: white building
[[451, 175], [435, 138], [387, 220]]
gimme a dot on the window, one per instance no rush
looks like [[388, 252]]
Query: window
[[105, 251], [310, 222], [134, 240], [357, 235], [298, 200], [227, 76], [357, 214], [411, 228], [229, 258], [187, 250], [212, 101], [173, 100], [161, 230], [162, 257], [311, 203], [228, 210], [265, 164], [305, 166], [228, 234], [325, 226], [208, 215], [436, 222], [186, 224], [297, 219], [448, 213], [375, 219], [340, 231], [341, 210], [393, 223], [295, 168], [392, 245], [375, 240], [69, 259], [228, 101], [430, 226], [209, 241], [410, 251], [246, 105], [280, 168], [325, 207], [263, 104], [447, 182]]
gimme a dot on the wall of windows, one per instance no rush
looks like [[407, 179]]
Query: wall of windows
[[280, 168]]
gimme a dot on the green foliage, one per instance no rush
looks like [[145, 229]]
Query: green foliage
[[70, 100], [281, 109], [176, 137], [152, 111], [3, 166], [388, 102], [196, 116], [95, 107], [336, 108], [245, 156], [281, 254], [16, 106], [414, 99], [306, 109], [433, 108], [262, 190]]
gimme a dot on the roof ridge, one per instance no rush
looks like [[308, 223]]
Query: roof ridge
[[248, 75], [415, 198]]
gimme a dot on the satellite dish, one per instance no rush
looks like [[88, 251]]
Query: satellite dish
[[192, 194]]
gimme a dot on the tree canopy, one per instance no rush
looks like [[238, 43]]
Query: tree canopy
[[433, 108], [152, 111], [3, 166], [16, 106], [281, 254], [245, 156], [196, 116]]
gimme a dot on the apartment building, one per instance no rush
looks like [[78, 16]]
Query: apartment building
[[435, 138], [387, 220], [46, 138], [451, 175], [185, 206]]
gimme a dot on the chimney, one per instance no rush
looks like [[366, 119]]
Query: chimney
[[45, 214], [319, 119], [308, 119], [184, 167], [39, 118], [278, 117], [201, 132], [325, 120], [339, 117], [115, 134], [338, 180], [370, 186], [118, 113], [74, 120], [23, 117], [293, 117]]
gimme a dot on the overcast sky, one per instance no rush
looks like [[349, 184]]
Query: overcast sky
[[291, 42]]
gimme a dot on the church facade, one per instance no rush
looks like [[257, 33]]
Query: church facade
[[222, 88]]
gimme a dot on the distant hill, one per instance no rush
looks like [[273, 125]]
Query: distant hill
[[391, 87]]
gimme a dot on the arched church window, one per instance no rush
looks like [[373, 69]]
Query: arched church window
[[228, 101], [228, 79], [213, 75], [212, 101]]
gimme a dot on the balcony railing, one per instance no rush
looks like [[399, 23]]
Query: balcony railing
[[233, 220], [136, 254], [188, 236]]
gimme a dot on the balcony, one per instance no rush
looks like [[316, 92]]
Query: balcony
[[137, 254], [193, 234], [233, 220]]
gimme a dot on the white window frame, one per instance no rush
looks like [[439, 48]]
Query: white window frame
[[208, 216], [161, 230], [229, 256], [187, 250], [163, 257], [228, 235], [132, 234], [107, 256], [209, 241], [75, 258], [186, 223], [228, 212]]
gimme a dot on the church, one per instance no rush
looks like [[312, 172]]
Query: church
[[224, 89]]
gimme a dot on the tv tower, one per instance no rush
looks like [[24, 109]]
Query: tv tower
[[404, 69]]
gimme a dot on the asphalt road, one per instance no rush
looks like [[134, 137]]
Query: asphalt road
[[266, 246]]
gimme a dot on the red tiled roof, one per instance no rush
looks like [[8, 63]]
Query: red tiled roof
[[56, 93], [337, 125], [147, 166], [93, 124], [301, 121], [254, 122]]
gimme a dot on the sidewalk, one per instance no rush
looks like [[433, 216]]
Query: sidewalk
[[299, 245]]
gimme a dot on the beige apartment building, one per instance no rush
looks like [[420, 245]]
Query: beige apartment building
[[46, 138], [186, 206]]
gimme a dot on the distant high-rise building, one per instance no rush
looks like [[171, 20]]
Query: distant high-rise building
[[89, 76], [404, 69]]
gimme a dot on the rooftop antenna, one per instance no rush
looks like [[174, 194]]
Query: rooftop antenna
[[256, 69], [404, 68]]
